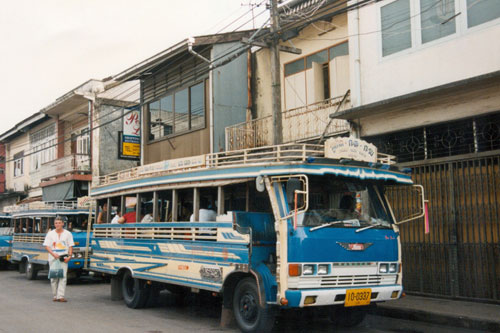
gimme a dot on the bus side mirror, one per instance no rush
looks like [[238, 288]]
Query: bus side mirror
[[412, 202], [292, 185]]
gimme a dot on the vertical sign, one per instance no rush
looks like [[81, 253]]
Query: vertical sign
[[130, 138]]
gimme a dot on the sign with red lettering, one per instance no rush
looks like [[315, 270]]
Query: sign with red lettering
[[130, 138]]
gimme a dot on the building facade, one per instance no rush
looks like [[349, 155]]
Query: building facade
[[426, 88], [190, 93], [314, 83]]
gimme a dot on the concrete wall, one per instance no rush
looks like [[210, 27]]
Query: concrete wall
[[262, 92], [105, 142], [313, 38], [230, 93], [465, 54], [447, 107], [321, 35], [10, 201]]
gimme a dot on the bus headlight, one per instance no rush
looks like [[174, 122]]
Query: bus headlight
[[322, 269], [393, 268], [383, 268], [307, 269]]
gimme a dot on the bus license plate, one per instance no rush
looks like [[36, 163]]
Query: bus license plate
[[357, 297]]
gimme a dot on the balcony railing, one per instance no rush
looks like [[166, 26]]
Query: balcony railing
[[65, 165], [299, 125], [41, 205]]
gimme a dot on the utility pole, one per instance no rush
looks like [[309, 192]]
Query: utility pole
[[275, 73]]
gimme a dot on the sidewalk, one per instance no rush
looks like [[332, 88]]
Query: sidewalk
[[472, 315]]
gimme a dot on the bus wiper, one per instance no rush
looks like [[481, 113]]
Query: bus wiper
[[369, 227], [332, 223]]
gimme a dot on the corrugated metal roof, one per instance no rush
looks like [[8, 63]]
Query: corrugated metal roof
[[136, 71]]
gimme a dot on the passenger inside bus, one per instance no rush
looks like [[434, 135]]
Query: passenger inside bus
[[129, 217], [147, 211], [205, 213], [103, 214]]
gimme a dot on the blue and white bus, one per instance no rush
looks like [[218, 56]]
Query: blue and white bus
[[268, 228], [32, 221], [6, 232]]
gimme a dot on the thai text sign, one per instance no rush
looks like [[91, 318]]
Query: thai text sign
[[84, 202], [350, 148], [130, 139], [175, 164]]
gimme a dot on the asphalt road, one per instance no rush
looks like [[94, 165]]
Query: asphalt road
[[26, 306]]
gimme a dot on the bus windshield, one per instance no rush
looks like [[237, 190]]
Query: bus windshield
[[344, 203]]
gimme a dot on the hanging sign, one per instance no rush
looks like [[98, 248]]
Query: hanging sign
[[130, 138], [350, 148]]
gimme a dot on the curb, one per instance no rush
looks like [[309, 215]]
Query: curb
[[435, 318]]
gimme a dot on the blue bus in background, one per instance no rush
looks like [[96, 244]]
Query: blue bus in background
[[265, 229], [32, 221], [6, 232]]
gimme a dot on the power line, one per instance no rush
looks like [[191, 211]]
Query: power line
[[235, 52], [227, 53]]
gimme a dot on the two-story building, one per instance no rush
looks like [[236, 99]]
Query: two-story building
[[47, 155], [20, 154], [425, 86], [189, 94], [314, 83], [64, 169]]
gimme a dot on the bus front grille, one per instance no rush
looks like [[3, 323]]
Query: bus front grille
[[357, 280]]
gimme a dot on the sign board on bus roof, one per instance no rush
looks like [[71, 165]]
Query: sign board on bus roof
[[350, 148]]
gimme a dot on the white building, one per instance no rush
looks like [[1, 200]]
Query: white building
[[425, 86]]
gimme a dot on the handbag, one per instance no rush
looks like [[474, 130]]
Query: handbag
[[56, 270]]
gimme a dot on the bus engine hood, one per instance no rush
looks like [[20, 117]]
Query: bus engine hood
[[342, 245]]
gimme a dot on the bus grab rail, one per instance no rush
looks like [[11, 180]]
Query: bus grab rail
[[277, 154], [161, 230]]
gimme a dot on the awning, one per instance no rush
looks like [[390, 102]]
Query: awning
[[59, 192]]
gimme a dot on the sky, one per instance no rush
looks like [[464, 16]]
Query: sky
[[49, 47]]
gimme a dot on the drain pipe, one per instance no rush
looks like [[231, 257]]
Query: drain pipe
[[190, 43]]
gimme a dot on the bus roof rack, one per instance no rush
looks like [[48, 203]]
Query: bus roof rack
[[278, 154]]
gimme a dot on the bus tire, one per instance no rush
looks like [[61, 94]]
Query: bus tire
[[249, 314], [31, 271], [348, 317], [134, 291], [22, 266]]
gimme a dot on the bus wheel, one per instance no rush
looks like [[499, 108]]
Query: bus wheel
[[134, 292], [22, 266], [249, 314], [31, 271], [348, 317]]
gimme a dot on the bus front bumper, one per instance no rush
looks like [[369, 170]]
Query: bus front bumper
[[336, 296]]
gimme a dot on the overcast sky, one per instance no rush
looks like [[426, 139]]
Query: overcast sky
[[49, 47]]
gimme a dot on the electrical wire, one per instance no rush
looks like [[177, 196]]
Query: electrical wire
[[226, 54]]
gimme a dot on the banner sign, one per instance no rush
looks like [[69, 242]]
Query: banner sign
[[176, 164], [350, 148], [130, 138], [84, 202]]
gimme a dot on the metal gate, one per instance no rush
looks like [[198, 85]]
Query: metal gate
[[460, 257]]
